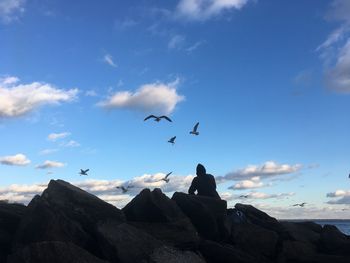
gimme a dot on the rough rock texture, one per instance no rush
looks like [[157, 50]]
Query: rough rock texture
[[157, 214], [207, 214], [10, 216], [53, 252], [68, 214], [67, 224]]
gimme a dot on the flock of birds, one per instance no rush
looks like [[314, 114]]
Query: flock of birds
[[166, 178]]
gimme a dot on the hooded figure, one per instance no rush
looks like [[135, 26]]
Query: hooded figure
[[203, 183]]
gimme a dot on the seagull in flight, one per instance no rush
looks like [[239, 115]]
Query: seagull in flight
[[172, 140], [301, 205], [124, 189], [166, 179], [158, 118], [244, 196], [194, 131], [84, 172]]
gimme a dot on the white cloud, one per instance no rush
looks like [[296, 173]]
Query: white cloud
[[71, 144], [254, 195], [335, 50], [20, 99], [248, 184], [17, 160], [56, 136], [194, 46], [50, 164], [176, 42], [109, 60], [342, 195], [205, 9], [91, 93], [267, 170], [10, 10], [157, 98]]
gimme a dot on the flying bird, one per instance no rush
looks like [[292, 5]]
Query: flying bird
[[172, 140], [158, 118], [194, 131], [166, 178], [244, 196], [124, 189], [84, 172], [301, 205]]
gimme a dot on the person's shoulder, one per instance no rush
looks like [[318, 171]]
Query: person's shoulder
[[210, 175]]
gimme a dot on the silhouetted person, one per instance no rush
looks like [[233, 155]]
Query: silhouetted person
[[203, 183]]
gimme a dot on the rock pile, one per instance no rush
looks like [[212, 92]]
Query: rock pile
[[66, 224]]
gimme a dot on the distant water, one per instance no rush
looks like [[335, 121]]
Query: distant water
[[342, 225]]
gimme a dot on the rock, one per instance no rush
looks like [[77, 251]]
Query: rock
[[160, 216], [126, 244], [333, 241], [222, 253], [68, 214], [254, 239], [206, 214], [258, 217], [171, 255], [53, 252], [10, 216], [308, 232], [296, 251]]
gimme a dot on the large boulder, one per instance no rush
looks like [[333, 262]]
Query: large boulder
[[333, 241], [171, 255], [254, 240], [308, 232], [68, 214], [208, 215], [53, 252], [126, 244], [214, 252], [260, 218], [157, 214], [10, 216]]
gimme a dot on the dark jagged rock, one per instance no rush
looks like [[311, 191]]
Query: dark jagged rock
[[206, 214], [255, 240], [170, 255], [333, 241], [260, 218], [68, 214], [223, 253], [308, 232], [126, 244], [10, 216], [297, 251], [53, 252], [157, 214]]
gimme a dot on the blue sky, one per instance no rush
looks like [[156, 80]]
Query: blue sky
[[269, 82]]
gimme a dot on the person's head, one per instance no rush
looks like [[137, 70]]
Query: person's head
[[200, 170]]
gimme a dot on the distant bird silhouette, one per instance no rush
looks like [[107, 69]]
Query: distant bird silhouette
[[194, 131], [49, 172], [124, 189], [244, 196], [84, 172], [157, 118], [166, 178], [172, 140], [301, 205]]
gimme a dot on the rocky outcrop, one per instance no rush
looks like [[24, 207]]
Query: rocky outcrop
[[67, 224], [206, 214], [157, 214]]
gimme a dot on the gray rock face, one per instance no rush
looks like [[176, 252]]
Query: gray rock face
[[206, 214], [68, 214], [53, 252], [332, 241], [255, 240], [158, 215]]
